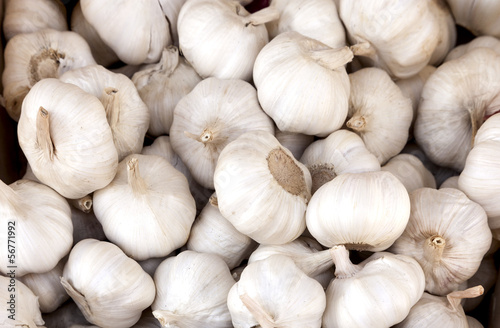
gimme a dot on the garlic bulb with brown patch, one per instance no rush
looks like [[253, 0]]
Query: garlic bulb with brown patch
[[21, 307], [478, 42], [410, 171], [478, 16]]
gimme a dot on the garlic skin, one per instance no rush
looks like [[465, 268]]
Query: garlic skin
[[379, 113], [32, 57], [295, 142], [399, 37], [26, 310], [456, 99], [66, 138], [341, 152], [478, 42], [410, 171], [316, 19], [39, 244], [171, 9], [135, 39], [127, 115], [150, 188], [221, 38], [162, 85], [318, 107], [363, 211], [261, 189], [478, 16], [109, 288], [447, 234], [26, 16], [273, 293], [215, 113], [191, 291]]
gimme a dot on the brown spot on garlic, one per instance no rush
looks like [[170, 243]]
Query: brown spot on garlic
[[321, 174], [287, 173], [356, 123], [43, 133], [44, 64]]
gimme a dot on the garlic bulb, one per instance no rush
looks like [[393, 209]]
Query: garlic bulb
[[294, 142], [20, 305], [162, 85], [109, 288], [135, 39], [86, 225], [150, 188], [32, 57], [127, 114], [486, 276], [37, 227], [410, 171], [26, 16], [66, 138], [378, 292], [220, 38], [191, 291], [379, 112], [451, 182], [316, 19], [455, 101], [302, 84], [215, 113], [440, 311], [341, 152], [447, 234], [363, 211], [399, 37], [171, 9], [478, 16], [261, 189], [479, 42], [274, 292]]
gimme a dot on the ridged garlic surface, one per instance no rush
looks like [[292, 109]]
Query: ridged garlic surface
[[379, 113], [274, 292], [456, 99], [23, 307], [191, 291], [162, 85], [447, 234], [127, 115], [212, 115], [221, 38], [302, 84], [316, 19], [478, 42], [261, 189], [478, 16], [40, 220], [137, 31], [378, 292], [341, 152], [147, 210], [32, 57], [294, 142], [66, 138], [401, 37], [109, 288], [410, 171], [362, 211]]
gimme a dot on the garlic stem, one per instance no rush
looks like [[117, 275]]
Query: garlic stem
[[343, 265], [315, 263], [364, 49], [433, 248], [166, 318], [83, 204], [43, 138], [169, 59], [262, 317], [476, 120], [263, 16], [135, 180], [356, 123], [77, 297], [213, 201], [206, 136], [455, 298], [111, 104], [332, 58]]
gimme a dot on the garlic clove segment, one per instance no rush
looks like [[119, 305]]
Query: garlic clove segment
[[261, 189], [171, 9], [21, 307], [451, 182], [410, 171], [478, 42], [478, 16]]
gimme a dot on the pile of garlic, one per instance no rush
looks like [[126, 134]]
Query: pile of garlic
[[239, 163]]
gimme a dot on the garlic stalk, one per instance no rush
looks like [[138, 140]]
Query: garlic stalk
[[83, 204], [20, 305], [295, 142], [478, 42], [410, 171], [478, 16]]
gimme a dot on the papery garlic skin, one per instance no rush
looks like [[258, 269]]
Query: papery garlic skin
[[25, 308], [410, 171], [478, 42], [66, 138], [478, 16], [295, 142], [274, 292], [302, 84], [261, 189], [109, 288]]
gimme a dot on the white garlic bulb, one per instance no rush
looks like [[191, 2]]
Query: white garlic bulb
[[379, 112], [215, 113], [191, 291], [32, 57], [378, 292], [20, 305], [274, 292], [162, 85], [478, 42], [135, 39], [109, 288], [66, 138], [261, 189], [410, 171], [399, 37], [148, 187], [341, 152], [451, 182], [447, 234], [127, 114], [302, 84], [317, 19], [37, 231], [478, 16], [294, 142], [363, 211], [221, 38]]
